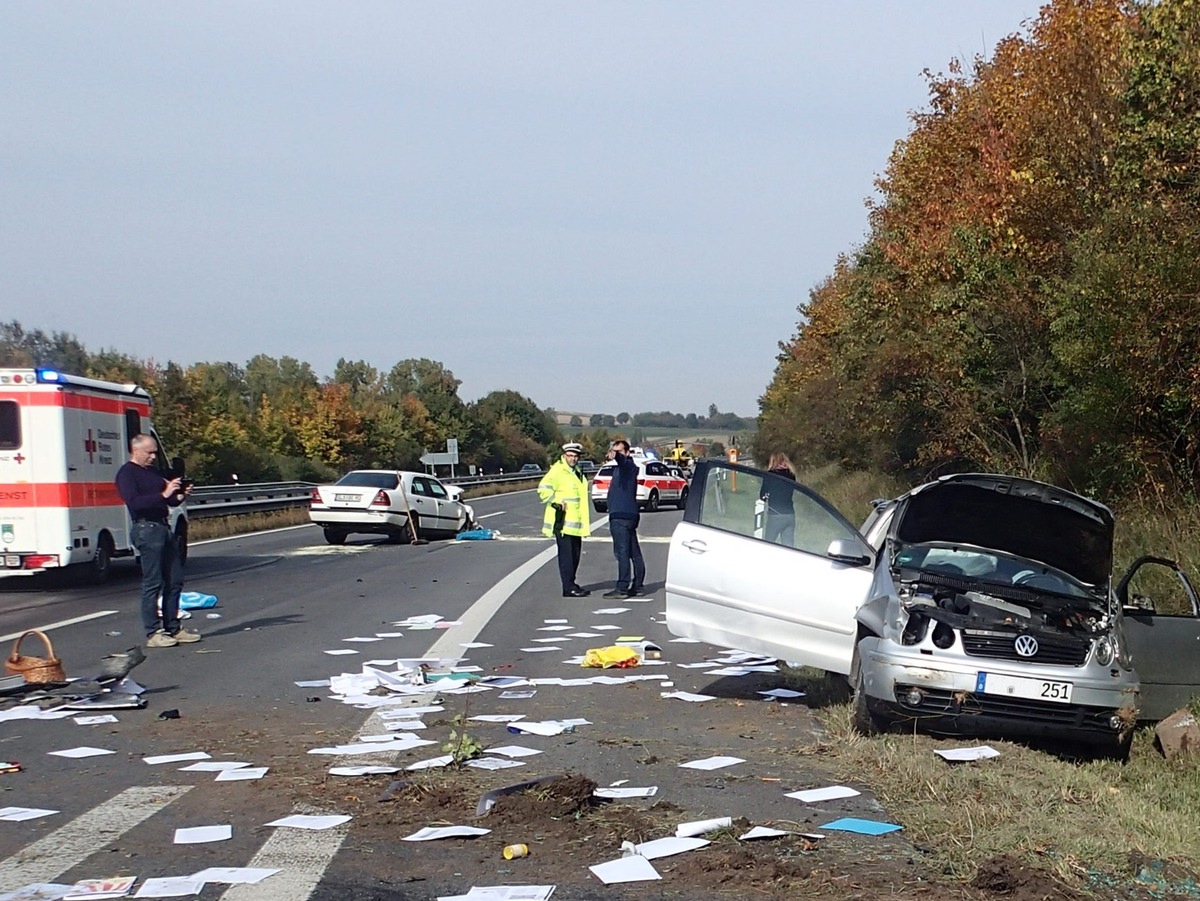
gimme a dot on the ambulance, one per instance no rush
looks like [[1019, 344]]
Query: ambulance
[[62, 440]]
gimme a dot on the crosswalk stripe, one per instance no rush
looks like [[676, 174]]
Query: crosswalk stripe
[[301, 855], [69, 845]]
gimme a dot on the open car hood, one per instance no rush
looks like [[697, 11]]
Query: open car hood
[[1017, 516]]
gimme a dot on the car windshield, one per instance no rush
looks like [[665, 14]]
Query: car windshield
[[364, 479], [961, 561]]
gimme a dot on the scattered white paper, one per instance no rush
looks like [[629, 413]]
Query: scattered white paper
[[195, 835], [582, 635], [362, 770], [648, 791], [19, 814], [687, 696], [38, 891], [341, 652], [829, 793], [312, 683], [518, 695], [363, 639], [762, 832], [432, 763], [95, 720], [176, 758], [430, 833], [80, 752], [538, 728], [514, 751], [607, 610], [498, 717], [407, 725], [308, 821], [556, 621], [982, 752], [605, 628], [554, 628], [685, 641], [699, 827], [538, 650], [665, 847], [625, 869], [389, 634], [493, 763], [470, 645], [782, 693], [170, 887], [242, 773], [712, 763], [213, 766], [236, 875]]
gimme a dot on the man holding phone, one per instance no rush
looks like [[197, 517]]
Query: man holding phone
[[148, 496], [623, 519]]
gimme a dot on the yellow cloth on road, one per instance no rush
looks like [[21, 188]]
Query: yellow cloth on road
[[611, 656]]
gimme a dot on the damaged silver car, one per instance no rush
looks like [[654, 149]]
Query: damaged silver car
[[977, 604]]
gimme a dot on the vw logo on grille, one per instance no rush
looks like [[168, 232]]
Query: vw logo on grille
[[1026, 646]]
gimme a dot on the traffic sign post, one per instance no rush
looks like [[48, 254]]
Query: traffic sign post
[[449, 458]]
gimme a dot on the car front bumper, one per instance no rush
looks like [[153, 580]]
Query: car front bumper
[[904, 686]]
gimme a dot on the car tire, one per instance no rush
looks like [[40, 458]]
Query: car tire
[[682, 502], [600, 508], [865, 722], [335, 536], [397, 537], [100, 569], [652, 502]]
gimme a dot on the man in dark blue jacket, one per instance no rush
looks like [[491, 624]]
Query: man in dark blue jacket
[[623, 519], [148, 496]]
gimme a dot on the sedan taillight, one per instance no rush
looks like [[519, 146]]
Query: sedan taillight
[[316, 497], [381, 499]]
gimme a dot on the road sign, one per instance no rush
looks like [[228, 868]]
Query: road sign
[[439, 459]]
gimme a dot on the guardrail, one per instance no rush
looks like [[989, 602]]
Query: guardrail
[[233, 500]]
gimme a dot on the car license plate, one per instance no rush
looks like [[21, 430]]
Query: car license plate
[[345, 498], [1022, 687]]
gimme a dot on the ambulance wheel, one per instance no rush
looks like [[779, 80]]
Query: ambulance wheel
[[682, 502], [102, 562], [652, 502], [181, 540], [333, 536]]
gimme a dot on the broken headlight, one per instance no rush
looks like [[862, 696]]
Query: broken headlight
[[1104, 650]]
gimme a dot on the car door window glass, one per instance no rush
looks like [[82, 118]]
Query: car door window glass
[[436, 490], [418, 487], [756, 505]]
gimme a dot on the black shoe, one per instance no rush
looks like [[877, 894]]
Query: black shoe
[[637, 593], [615, 593], [576, 593]]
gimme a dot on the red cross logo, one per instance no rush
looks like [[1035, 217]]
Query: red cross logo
[[89, 446], [18, 457]]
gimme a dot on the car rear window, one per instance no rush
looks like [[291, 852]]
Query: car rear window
[[369, 480], [607, 470]]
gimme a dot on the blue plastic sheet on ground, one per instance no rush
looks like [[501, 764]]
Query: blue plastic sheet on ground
[[195, 600], [863, 827], [476, 535]]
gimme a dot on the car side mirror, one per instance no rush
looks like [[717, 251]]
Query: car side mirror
[[849, 552]]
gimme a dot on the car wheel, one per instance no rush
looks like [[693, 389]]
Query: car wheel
[[864, 720], [335, 536], [101, 566], [652, 502], [600, 508], [397, 537], [682, 502]]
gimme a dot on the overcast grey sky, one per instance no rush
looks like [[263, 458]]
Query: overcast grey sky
[[605, 206]]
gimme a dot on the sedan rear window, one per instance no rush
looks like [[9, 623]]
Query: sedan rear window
[[369, 480]]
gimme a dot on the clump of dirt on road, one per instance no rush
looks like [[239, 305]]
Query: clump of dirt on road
[[566, 796], [1008, 878]]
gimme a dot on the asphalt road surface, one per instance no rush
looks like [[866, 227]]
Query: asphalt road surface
[[286, 598]]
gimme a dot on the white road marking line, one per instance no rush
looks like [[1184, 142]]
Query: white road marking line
[[302, 856], [70, 845], [61, 623], [250, 534], [486, 515]]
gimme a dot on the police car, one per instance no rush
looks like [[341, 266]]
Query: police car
[[656, 485]]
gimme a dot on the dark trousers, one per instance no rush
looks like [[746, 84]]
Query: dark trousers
[[627, 551], [781, 528], [569, 549], [162, 573]]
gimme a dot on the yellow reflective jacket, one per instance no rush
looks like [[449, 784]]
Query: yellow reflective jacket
[[568, 488]]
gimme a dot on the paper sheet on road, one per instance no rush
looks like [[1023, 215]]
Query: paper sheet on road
[[699, 827], [170, 887], [80, 752], [362, 770], [309, 821], [665, 847], [782, 693], [687, 696], [494, 763], [514, 751], [176, 758], [213, 766], [648, 791], [195, 835], [236, 875], [712, 763], [96, 720], [431, 833], [20, 814], [862, 827], [829, 793], [625, 869], [432, 763], [241, 774]]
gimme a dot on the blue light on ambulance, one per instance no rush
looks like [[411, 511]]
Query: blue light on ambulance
[[49, 375]]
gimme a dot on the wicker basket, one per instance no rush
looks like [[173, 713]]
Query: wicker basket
[[35, 669]]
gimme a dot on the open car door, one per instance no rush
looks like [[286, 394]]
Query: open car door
[[1162, 627], [742, 574]]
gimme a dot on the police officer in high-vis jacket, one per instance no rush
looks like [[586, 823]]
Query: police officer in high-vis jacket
[[564, 491]]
